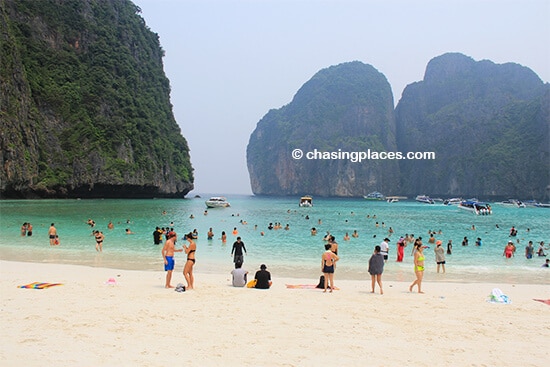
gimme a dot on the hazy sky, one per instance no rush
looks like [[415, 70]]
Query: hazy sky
[[230, 62]]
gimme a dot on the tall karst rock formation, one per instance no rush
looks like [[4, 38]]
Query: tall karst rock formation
[[84, 104], [344, 108], [487, 123]]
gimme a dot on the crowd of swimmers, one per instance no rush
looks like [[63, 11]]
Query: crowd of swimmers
[[329, 257]]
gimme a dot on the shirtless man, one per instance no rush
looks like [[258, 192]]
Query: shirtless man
[[52, 232], [168, 256]]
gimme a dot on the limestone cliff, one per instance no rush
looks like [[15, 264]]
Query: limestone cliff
[[344, 108], [84, 104], [487, 123]]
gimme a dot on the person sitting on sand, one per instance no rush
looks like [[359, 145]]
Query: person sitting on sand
[[239, 275], [263, 278]]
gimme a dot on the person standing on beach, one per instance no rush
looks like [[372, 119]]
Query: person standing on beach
[[99, 237], [439, 255], [418, 267], [239, 275], [237, 251], [401, 244], [190, 263], [376, 268], [52, 232], [328, 262], [385, 248], [168, 257]]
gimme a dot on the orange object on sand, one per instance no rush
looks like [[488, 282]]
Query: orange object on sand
[[546, 301]]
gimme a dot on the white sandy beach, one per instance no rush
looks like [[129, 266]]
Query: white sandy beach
[[137, 322]]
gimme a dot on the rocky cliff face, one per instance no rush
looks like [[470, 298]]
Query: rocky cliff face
[[345, 108], [84, 104], [488, 125]]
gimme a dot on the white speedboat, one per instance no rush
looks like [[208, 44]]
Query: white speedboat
[[217, 202], [512, 202], [476, 207], [392, 199], [453, 201], [424, 199], [306, 201], [375, 195]]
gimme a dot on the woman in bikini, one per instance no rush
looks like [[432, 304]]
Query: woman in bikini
[[188, 268], [418, 266], [328, 261], [99, 237]]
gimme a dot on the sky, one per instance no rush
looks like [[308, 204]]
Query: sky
[[230, 61]]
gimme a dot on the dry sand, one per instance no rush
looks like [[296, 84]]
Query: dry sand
[[137, 322]]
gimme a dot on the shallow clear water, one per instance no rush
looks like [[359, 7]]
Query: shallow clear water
[[290, 253]]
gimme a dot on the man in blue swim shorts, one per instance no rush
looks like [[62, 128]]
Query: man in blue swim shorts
[[168, 256], [169, 265]]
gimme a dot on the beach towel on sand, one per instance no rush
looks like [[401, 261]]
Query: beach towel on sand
[[38, 285], [497, 296]]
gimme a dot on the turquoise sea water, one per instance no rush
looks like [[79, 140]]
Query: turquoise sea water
[[289, 253]]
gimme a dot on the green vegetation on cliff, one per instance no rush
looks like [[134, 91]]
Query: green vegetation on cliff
[[488, 125], [83, 83], [347, 107]]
